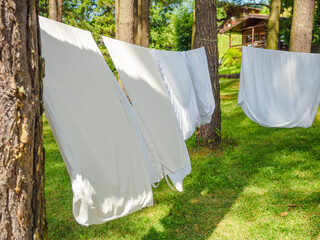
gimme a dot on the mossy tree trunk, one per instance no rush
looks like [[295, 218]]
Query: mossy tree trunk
[[205, 34], [22, 205], [273, 24], [302, 24]]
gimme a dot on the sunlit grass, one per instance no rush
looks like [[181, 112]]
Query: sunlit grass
[[263, 183]]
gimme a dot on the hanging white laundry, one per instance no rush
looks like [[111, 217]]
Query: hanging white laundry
[[94, 127], [199, 72], [155, 115], [279, 89], [176, 77]]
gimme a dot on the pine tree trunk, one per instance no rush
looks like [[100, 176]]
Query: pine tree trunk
[[132, 21], [273, 25], [53, 10], [117, 15], [60, 9], [142, 24], [126, 21], [22, 210], [302, 24], [205, 34]]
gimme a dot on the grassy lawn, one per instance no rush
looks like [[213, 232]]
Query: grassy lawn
[[262, 183]]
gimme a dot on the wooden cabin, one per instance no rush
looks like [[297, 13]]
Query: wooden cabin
[[250, 23]]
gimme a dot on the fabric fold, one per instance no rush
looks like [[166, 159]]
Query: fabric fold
[[98, 137], [279, 89], [174, 71], [200, 76], [155, 115]]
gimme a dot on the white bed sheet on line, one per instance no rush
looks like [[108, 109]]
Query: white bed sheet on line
[[200, 76], [278, 88], [94, 127], [175, 74], [155, 115]]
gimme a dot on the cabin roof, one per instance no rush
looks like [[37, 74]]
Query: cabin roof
[[239, 23]]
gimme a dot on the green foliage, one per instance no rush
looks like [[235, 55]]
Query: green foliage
[[44, 8], [265, 10], [171, 25], [183, 21], [161, 27], [316, 25], [223, 42], [96, 16]]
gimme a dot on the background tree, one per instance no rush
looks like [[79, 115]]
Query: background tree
[[132, 21], [273, 24], [126, 11], [55, 10], [302, 25], [22, 210], [205, 34], [142, 23]]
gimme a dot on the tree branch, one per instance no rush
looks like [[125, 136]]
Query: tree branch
[[164, 3]]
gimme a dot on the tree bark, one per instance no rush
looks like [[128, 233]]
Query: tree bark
[[302, 24], [60, 9], [126, 21], [132, 21], [142, 23], [22, 205], [55, 10], [273, 25], [117, 15], [205, 34]]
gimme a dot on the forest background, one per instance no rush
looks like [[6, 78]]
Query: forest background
[[170, 21]]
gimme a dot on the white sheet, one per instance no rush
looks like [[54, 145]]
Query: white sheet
[[176, 77], [94, 127], [155, 115], [279, 89], [200, 76]]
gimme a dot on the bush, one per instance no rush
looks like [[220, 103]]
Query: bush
[[231, 58]]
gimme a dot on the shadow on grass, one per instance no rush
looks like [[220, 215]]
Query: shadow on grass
[[217, 181], [250, 156]]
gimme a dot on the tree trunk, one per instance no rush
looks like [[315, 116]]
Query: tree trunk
[[273, 25], [22, 210], [132, 21], [302, 24], [55, 10], [205, 34], [60, 9], [142, 28], [126, 21], [117, 15]]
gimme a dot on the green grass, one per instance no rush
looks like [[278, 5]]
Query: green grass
[[262, 183]]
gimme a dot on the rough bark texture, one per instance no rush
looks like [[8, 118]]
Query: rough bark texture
[[142, 23], [55, 10], [205, 34], [60, 9], [126, 20], [302, 23], [273, 25], [22, 212], [132, 21], [116, 13]]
